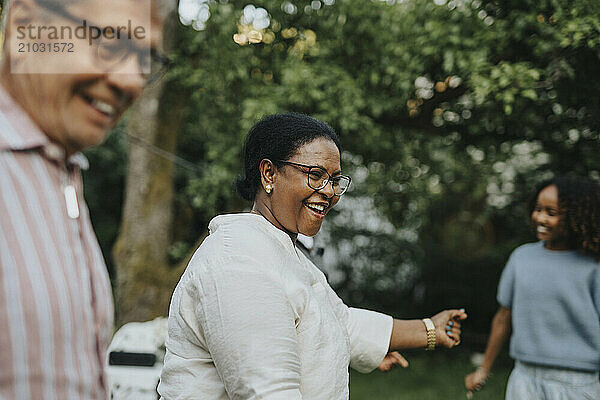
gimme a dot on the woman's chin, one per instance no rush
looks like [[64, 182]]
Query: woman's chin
[[542, 236], [311, 230]]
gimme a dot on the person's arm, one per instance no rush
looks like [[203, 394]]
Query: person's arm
[[373, 335], [500, 331], [394, 358], [412, 334]]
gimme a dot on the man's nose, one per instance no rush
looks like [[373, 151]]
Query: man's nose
[[127, 77]]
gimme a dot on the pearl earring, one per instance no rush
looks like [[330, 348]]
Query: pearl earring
[[268, 189]]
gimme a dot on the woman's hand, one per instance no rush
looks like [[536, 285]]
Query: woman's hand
[[392, 358], [501, 328], [476, 380], [447, 327]]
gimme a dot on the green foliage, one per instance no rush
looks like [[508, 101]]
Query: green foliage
[[447, 113]]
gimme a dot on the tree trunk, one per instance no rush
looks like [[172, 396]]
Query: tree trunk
[[144, 278]]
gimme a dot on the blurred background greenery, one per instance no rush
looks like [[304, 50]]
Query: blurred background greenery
[[448, 112], [434, 376]]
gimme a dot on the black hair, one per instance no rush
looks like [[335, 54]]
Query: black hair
[[579, 202], [277, 137]]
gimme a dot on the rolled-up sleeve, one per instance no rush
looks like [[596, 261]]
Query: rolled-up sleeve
[[243, 318], [369, 333]]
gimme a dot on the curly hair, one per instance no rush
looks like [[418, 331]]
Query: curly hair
[[579, 201], [277, 137]]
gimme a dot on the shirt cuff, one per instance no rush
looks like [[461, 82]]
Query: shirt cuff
[[370, 334]]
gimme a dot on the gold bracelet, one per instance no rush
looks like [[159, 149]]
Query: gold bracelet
[[429, 325]]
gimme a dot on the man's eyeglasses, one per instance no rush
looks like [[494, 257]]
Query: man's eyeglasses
[[109, 52], [318, 178]]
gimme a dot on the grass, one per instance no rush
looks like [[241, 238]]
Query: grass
[[430, 376]]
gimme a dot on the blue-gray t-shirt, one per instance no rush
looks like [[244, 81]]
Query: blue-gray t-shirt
[[555, 301]]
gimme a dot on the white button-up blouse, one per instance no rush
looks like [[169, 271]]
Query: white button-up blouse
[[253, 318]]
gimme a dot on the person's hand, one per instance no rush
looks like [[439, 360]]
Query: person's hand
[[447, 327], [392, 358], [476, 380]]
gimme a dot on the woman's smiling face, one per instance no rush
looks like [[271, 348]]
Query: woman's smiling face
[[295, 206], [548, 219]]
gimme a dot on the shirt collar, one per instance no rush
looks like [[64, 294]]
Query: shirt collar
[[18, 132], [272, 230]]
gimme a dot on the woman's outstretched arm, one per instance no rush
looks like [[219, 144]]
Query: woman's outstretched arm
[[412, 334]]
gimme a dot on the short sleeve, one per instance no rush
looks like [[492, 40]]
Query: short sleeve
[[507, 283], [369, 333], [248, 330], [596, 290]]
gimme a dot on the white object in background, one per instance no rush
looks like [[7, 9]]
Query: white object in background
[[477, 359], [133, 383], [129, 382]]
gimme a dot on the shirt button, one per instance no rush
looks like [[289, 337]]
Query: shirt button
[[54, 152]]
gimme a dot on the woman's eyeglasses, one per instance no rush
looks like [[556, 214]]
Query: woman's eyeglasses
[[318, 178]]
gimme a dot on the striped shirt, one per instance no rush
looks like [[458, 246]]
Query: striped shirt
[[56, 309]]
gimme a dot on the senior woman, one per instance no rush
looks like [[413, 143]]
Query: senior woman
[[252, 317]]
